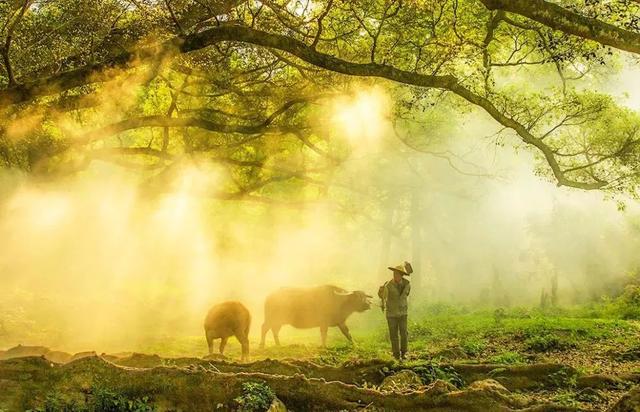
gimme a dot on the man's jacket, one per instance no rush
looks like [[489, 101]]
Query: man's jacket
[[394, 298]]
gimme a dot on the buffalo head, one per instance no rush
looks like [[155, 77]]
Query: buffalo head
[[357, 300]]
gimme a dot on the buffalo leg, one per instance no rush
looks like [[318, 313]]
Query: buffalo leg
[[210, 342], [276, 330], [223, 343], [323, 335], [244, 341], [345, 331], [265, 329]]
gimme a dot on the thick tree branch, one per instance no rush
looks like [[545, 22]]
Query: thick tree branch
[[560, 18], [166, 121], [304, 52], [96, 73], [4, 49], [308, 54]]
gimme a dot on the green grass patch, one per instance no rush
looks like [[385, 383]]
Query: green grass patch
[[548, 343], [508, 358]]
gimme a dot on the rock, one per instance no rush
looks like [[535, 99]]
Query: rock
[[630, 377], [451, 354], [404, 380], [277, 406], [630, 402], [489, 385], [518, 377], [440, 387], [58, 356], [485, 395], [81, 355], [140, 360], [590, 395], [629, 355], [118, 355], [110, 358], [24, 351], [599, 381]]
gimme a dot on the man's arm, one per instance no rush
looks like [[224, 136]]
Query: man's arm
[[407, 289], [385, 295]]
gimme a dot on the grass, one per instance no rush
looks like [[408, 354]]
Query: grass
[[514, 337], [508, 358], [506, 336]]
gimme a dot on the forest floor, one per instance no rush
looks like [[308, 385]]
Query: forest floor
[[488, 360]]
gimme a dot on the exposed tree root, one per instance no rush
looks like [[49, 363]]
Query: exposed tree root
[[520, 377], [25, 383]]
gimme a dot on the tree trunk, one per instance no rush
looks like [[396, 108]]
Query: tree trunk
[[416, 239], [385, 245]]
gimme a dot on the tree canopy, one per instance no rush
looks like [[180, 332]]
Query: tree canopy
[[246, 85]]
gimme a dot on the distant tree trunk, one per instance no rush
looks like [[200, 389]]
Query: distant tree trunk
[[544, 299], [416, 239], [554, 289], [385, 245], [498, 293]]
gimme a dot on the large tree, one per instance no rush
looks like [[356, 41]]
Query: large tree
[[153, 84]]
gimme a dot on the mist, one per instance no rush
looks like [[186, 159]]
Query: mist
[[96, 262]]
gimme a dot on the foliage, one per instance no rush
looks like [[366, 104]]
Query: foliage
[[100, 400], [429, 373], [108, 400], [627, 305], [55, 402], [256, 397], [473, 346], [229, 95]]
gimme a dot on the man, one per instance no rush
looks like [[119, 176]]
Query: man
[[394, 295]]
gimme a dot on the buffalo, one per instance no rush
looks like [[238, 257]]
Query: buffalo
[[228, 319], [316, 307]]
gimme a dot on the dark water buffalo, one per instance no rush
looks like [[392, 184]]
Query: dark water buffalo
[[317, 307], [228, 319]]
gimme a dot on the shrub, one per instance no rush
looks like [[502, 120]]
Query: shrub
[[256, 397], [55, 402], [627, 305], [431, 373], [473, 346], [106, 400]]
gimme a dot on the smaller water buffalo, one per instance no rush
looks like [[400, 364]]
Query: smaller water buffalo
[[316, 307], [228, 319]]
